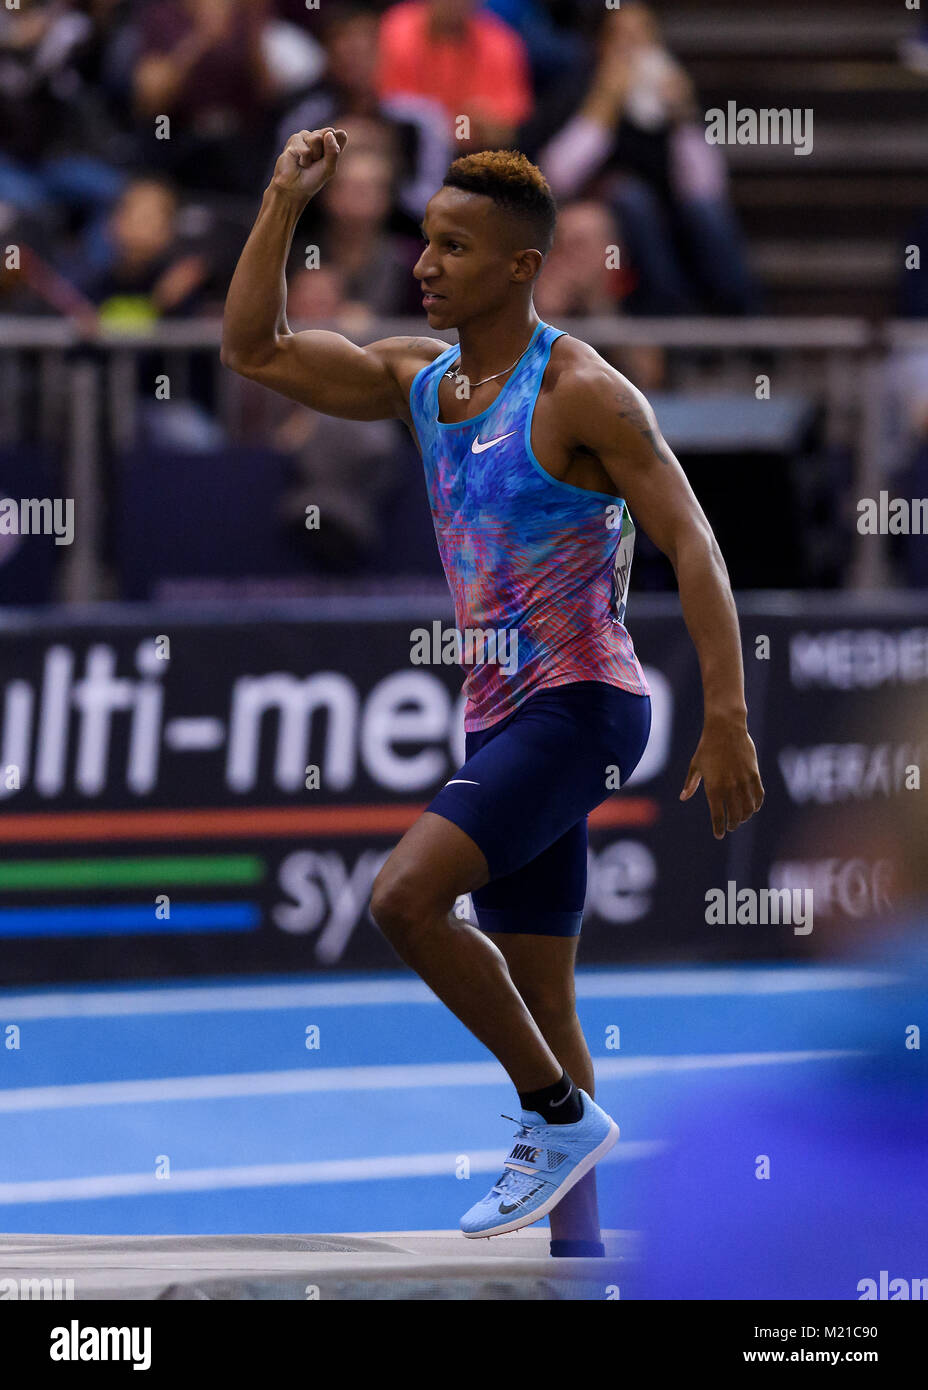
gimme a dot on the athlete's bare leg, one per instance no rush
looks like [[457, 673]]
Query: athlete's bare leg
[[542, 970], [412, 903]]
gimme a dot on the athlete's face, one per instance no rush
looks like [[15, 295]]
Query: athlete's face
[[467, 264]]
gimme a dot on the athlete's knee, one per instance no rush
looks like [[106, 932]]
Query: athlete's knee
[[402, 904], [391, 904]]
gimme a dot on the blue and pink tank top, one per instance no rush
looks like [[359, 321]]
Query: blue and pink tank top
[[537, 568]]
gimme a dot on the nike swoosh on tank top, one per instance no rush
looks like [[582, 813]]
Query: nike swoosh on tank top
[[523, 553]]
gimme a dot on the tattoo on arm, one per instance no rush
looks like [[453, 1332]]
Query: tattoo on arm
[[630, 410]]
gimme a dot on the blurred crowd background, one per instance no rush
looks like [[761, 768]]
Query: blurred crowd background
[[128, 230]]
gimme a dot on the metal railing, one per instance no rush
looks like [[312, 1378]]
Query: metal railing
[[85, 392]]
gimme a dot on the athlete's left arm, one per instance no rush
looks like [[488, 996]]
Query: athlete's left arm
[[605, 413]]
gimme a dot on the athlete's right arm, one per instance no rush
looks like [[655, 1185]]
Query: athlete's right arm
[[320, 369]]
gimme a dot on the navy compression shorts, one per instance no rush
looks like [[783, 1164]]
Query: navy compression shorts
[[524, 793]]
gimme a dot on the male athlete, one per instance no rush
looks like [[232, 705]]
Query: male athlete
[[535, 450]]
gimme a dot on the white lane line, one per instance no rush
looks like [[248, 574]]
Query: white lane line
[[618, 984], [234, 1085], [279, 1175]]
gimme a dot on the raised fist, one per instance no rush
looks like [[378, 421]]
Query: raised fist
[[308, 161]]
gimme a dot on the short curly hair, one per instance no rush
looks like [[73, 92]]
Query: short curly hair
[[516, 185]]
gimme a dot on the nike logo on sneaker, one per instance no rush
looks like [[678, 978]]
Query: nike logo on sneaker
[[506, 1207], [524, 1153], [478, 448], [461, 782]]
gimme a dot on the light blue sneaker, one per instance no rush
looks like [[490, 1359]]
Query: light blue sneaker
[[545, 1162]]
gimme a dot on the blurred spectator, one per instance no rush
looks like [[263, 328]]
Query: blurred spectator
[[576, 279], [347, 89], [374, 263], [315, 296], [51, 121], [202, 63], [131, 263], [293, 58], [143, 271], [350, 469], [553, 50], [148, 273], [463, 57], [629, 135], [35, 286]]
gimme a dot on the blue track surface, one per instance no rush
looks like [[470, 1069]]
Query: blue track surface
[[85, 1162]]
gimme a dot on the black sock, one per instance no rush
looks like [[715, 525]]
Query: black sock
[[559, 1104]]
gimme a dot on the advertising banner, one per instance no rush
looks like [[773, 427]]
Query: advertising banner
[[182, 795]]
